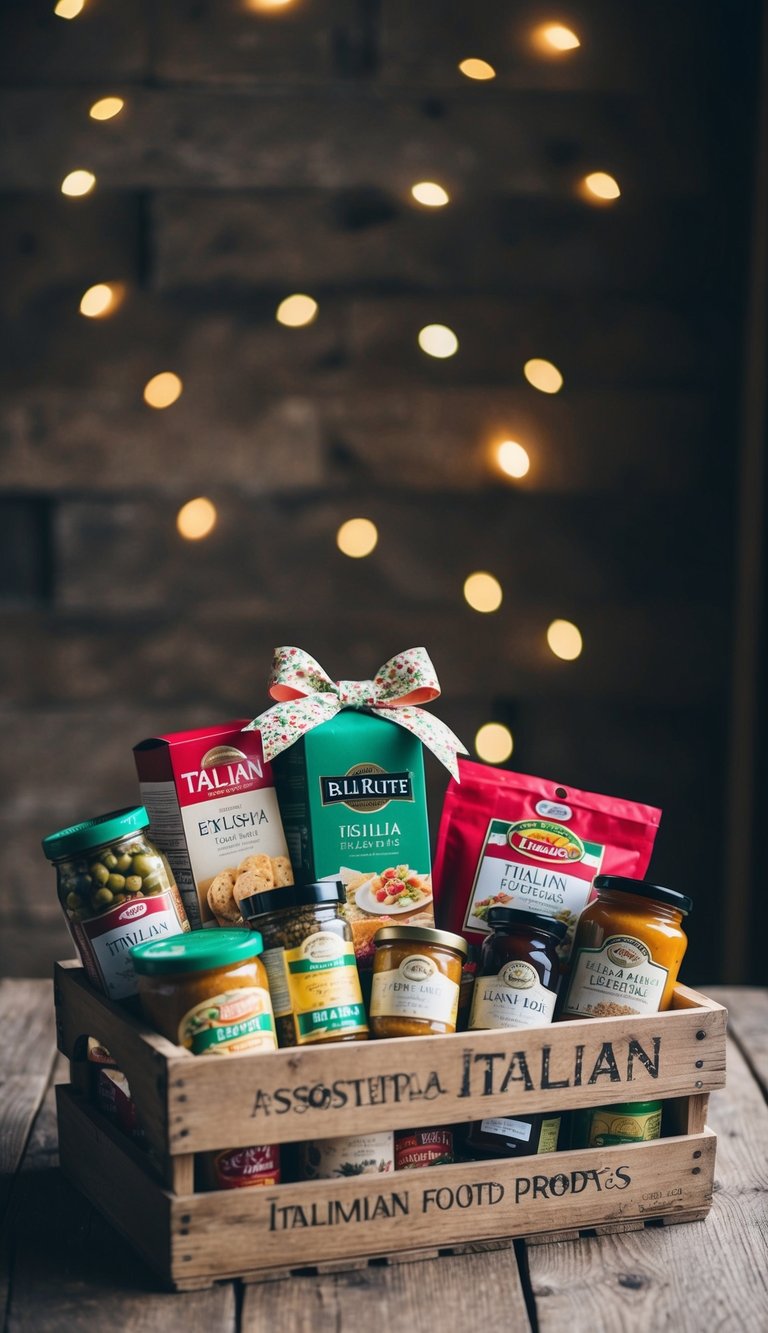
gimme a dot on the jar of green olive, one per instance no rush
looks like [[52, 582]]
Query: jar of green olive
[[117, 890], [310, 962]]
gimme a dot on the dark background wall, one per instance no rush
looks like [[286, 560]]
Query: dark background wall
[[263, 154]]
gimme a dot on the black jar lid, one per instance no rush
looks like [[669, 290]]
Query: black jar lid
[[326, 891], [506, 918], [643, 889]]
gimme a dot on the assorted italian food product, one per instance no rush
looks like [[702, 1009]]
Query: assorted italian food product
[[416, 981]]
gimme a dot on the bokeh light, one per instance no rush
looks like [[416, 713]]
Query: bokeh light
[[543, 375], [564, 638], [512, 458], [357, 537], [477, 69], [554, 39], [163, 390], [106, 108], [438, 340], [430, 194], [482, 591], [296, 311], [196, 519], [264, 6], [600, 187], [494, 743], [68, 9], [101, 299], [77, 183]]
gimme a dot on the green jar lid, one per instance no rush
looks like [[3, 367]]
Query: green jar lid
[[196, 952], [95, 832]]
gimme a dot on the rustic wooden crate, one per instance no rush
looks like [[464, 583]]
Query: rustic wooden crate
[[194, 1104]]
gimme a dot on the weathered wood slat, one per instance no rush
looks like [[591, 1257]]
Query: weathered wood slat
[[748, 1025], [633, 1282], [256, 139]]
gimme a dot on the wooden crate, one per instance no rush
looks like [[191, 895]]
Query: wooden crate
[[191, 1104]]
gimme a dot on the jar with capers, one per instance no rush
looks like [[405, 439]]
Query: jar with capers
[[117, 890], [310, 960]]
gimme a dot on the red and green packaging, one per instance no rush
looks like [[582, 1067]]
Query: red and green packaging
[[517, 841]]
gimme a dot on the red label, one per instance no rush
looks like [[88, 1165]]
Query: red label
[[205, 764], [423, 1147], [239, 1167], [126, 915]]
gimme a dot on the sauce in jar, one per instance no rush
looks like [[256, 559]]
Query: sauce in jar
[[627, 951], [416, 981]]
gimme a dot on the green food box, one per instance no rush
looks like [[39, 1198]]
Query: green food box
[[354, 807]]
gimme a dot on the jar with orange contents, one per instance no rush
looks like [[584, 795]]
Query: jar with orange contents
[[627, 951]]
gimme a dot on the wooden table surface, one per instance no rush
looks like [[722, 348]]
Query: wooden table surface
[[62, 1267]]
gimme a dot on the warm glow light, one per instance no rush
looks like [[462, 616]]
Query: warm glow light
[[483, 592], [430, 194], [599, 185], [494, 743], [543, 375], [106, 108], [555, 38], [68, 9], [357, 537], [295, 311], [77, 183], [261, 6], [103, 299], [512, 458], [477, 69], [438, 340], [564, 638], [196, 519], [163, 389]]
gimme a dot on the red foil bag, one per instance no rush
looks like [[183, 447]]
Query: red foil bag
[[516, 841]]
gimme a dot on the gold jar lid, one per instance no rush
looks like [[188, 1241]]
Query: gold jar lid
[[421, 935]]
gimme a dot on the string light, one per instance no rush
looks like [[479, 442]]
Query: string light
[[296, 311], [483, 592], [494, 742], [598, 185], [196, 519], [430, 194], [78, 183], [477, 69], [101, 300], [68, 9], [106, 108], [357, 537], [163, 390], [543, 375], [512, 458], [438, 340], [554, 39], [564, 638]]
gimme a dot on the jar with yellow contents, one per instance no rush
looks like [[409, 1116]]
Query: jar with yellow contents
[[416, 981]]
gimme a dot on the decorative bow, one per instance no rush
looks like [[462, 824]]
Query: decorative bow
[[306, 697]]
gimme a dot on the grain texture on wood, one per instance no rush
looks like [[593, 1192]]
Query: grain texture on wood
[[712, 1274]]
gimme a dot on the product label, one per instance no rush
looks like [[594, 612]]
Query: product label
[[514, 998], [324, 988], [607, 1127], [230, 1024], [508, 1129], [415, 989], [549, 1134], [105, 941], [423, 1147], [277, 975], [241, 1167], [360, 1155], [534, 865], [618, 978]]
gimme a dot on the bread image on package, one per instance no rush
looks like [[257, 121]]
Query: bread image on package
[[213, 810], [349, 770]]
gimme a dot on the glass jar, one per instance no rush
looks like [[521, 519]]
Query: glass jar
[[208, 992], [116, 890], [423, 1147], [516, 987], [416, 981], [310, 962], [356, 1155], [627, 951], [602, 1126]]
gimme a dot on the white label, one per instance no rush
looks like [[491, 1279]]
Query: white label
[[514, 998], [106, 941], [553, 810], [360, 1155], [618, 978], [277, 976], [508, 1129], [415, 989]]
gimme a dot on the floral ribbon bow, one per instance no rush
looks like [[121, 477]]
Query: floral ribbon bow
[[306, 696]]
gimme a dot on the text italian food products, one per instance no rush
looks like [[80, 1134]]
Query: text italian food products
[[310, 961], [518, 977], [208, 992], [602, 1126], [628, 949], [416, 981], [117, 890], [422, 1147], [358, 1155], [510, 840]]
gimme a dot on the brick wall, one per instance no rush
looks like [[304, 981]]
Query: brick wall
[[259, 155]]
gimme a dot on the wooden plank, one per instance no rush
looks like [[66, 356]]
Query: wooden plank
[[398, 1295], [254, 138], [674, 1278], [748, 1025]]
